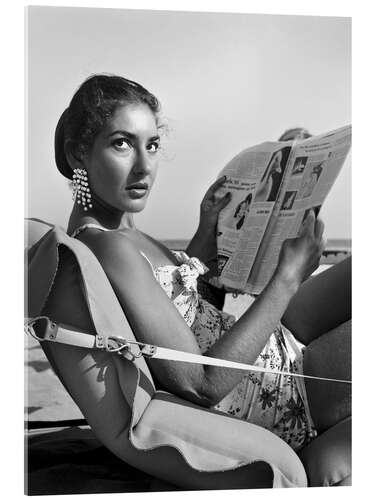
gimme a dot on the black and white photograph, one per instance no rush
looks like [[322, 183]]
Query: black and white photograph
[[142, 372], [299, 165], [288, 200], [272, 177], [311, 179], [242, 210]]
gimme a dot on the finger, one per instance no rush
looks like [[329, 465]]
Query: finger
[[319, 228], [223, 202], [324, 243], [216, 185], [322, 246], [308, 225]]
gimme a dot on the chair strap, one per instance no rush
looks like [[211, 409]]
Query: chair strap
[[43, 329]]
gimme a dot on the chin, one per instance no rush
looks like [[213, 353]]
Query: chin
[[134, 206]]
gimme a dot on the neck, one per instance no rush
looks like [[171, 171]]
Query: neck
[[110, 219]]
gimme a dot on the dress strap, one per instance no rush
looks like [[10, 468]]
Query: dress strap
[[148, 260], [79, 229]]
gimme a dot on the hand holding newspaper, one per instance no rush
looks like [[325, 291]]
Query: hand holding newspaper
[[273, 187]]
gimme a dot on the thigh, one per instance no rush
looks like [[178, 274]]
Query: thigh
[[327, 459], [329, 356], [322, 303]]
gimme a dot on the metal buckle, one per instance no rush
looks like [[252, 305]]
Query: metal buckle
[[47, 329], [123, 347], [28, 328], [148, 350], [115, 343], [42, 328]]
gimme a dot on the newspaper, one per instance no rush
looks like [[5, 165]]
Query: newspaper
[[273, 186]]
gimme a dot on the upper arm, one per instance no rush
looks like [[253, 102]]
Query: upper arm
[[98, 393], [151, 314]]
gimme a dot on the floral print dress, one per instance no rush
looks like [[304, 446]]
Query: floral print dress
[[275, 402]]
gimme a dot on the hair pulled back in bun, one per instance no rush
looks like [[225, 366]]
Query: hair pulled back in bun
[[92, 105], [295, 133]]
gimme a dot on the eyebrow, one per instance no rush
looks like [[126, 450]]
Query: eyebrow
[[132, 136]]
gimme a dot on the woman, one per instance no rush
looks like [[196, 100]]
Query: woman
[[107, 142], [295, 134], [242, 210]]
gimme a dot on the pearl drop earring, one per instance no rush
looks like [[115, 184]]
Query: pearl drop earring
[[81, 190]]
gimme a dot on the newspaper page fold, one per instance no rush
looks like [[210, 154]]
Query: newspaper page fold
[[273, 186]]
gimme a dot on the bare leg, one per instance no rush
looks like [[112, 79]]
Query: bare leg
[[322, 303], [319, 316], [327, 459], [329, 356]]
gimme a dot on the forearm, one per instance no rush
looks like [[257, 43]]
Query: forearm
[[298, 259], [201, 246], [246, 339]]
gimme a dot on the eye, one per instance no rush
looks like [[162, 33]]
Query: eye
[[153, 147], [122, 144]]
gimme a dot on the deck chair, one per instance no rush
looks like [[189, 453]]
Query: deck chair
[[150, 430]]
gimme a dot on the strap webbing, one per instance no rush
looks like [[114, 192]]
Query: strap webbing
[[56, 333]]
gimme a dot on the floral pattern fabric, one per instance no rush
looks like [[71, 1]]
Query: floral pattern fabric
[[275, 402]]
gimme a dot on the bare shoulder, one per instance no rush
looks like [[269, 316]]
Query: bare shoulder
[[153, 317], [115, 251]]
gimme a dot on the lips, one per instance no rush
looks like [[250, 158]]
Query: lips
[[137, 190], [138, 186]]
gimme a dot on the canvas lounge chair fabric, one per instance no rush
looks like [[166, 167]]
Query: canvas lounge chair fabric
[[160, 433]]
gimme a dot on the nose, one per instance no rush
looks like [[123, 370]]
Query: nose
[[142, 163]]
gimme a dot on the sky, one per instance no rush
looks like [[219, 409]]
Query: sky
[[65, 53], [225, 82]]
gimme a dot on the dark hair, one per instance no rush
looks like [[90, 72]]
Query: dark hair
[[92, 105]]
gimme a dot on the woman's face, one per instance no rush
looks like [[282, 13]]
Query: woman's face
[[123, 160]]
